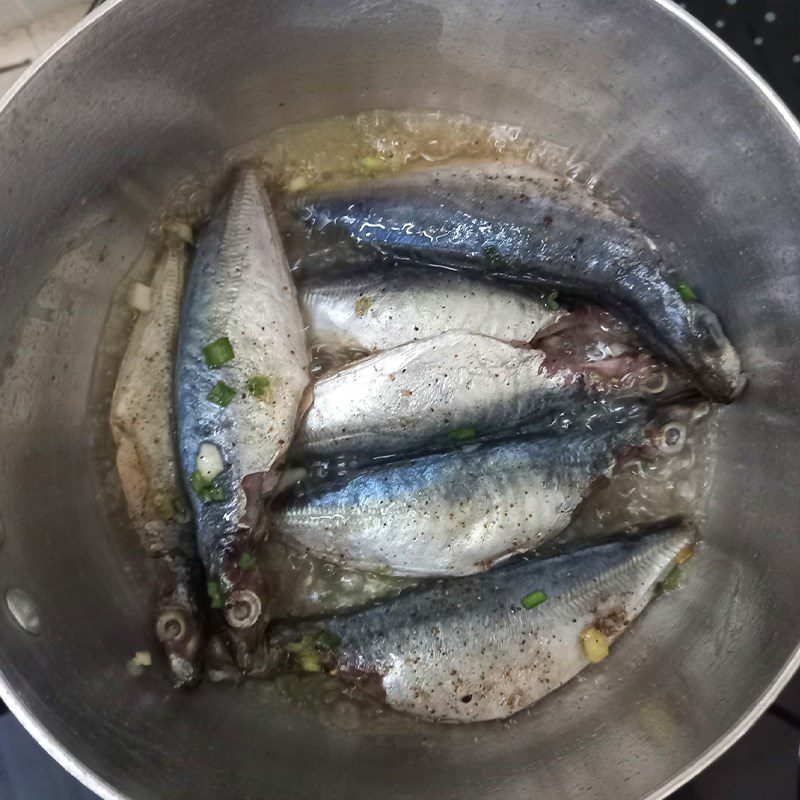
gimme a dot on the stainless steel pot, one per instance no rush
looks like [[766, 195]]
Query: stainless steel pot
[[91, 141]]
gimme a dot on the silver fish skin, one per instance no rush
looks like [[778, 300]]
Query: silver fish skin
[[466, 649], [142, 424], [239, 287], [425, 395], [520, 224], [457, 512], [380, 308]]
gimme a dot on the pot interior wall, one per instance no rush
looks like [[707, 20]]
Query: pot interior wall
[[89, 147]]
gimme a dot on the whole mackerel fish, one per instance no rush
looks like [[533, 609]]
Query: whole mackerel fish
[[379, 308], [241, 373], [457, 512], [429, 395], [523, 225], [142, 424], [487, 646]]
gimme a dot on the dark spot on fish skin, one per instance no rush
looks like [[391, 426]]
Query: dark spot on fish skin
[[611, 622], [547, 221], [466, 698]]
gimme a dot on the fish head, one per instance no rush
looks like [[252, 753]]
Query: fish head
[[672, 427], [246, 623], [180, 630], [244, 610], [718, 366]]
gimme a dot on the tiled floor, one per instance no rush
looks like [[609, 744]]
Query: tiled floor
[[14, 13], [25, 34]]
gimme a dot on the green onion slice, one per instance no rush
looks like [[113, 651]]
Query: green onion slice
[[327, 640], [247, 561], [462, 434], [533, 599], [670, 582], [212, 494], [198, 481], [685, 291], [492, 254], [258, 385], [218, 352], [373, 163], [214, 594], [207, 492], [221, 394]]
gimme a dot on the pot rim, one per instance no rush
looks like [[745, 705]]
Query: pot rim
[[92, 781]]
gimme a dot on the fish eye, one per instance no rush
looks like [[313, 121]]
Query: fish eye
[[243, 609], [671, 439], [171, 626], [708, 329], [656, 383]]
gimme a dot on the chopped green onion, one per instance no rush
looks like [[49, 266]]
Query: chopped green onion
[[327, 640], [685, 291], [221, 394], [258, 385], [208, 492], [198, 481], [214, 594], [362, 305], [297, 183], [462, 434], [670, 583], [218, 353], [305, 655], [309, 662], [533, 599], [492, 254], [551, 301], [247, 561], [373, 163], [212, 494]]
